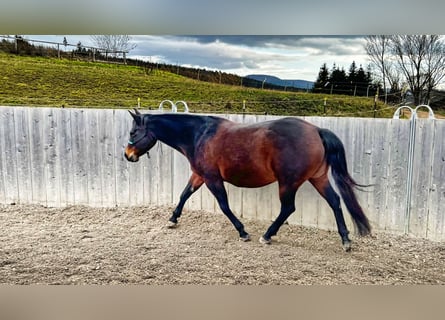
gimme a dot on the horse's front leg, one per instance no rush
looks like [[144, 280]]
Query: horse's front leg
[[218, 190], [195, 182]]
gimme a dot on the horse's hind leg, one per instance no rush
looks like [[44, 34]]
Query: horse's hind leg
[[218, 190], [325, 189], [287, 198], [195, 182]]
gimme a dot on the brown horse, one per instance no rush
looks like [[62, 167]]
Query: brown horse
[[289, 150]]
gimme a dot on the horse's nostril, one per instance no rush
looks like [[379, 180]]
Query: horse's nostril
[[132, 157], [126, 156]]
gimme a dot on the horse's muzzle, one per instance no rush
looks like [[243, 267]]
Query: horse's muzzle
[[130, 154]]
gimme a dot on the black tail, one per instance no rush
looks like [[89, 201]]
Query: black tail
[[335, 156]]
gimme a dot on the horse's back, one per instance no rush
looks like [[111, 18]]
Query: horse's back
[[292, 127]]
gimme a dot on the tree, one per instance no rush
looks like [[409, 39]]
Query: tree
[[322, 79], [419, 59], [114, 44], [378, 49], [338, 80], [352, 75]]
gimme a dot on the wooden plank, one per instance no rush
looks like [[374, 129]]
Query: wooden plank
[[10, 188], [270, 202], [52, 175], [306, 200], [208, 201], [65, 157], [250, 203], [436, 203], [122, 123], [3, 124], [10, 153], [80, 156], [264, 196], [379, 172], [398, 135], [38, 158], [106, 148], [93, 158], [23, 155], [421, 178], [154, 177], [146, 173], [165, 171]]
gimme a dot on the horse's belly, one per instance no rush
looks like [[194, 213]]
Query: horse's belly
[[248, 178]]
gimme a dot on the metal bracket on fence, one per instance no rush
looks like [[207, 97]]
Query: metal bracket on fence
[[174, 106], [399, 109], [411, 144], [414, 112], [430, 111]]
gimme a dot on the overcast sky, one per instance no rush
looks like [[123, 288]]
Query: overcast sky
[[287, 57]]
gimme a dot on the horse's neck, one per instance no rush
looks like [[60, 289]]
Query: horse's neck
[[178, 131]]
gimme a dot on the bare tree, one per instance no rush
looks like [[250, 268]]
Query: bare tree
[[420, 59], [378, 48], [434, 64], [114, 43]]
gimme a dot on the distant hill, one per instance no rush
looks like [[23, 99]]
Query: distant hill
[[300, 84]]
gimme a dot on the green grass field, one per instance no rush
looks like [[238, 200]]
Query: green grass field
[[35, 81]]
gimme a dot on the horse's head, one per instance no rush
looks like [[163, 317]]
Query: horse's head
[[141, 139]]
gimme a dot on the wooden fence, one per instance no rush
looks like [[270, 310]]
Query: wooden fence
[[63, 157]]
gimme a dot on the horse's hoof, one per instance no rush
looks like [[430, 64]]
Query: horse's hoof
[[265, 241], [171, 224], [244, 238], [347, 246]]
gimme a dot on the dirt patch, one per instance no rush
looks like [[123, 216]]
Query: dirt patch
[[80, 245]]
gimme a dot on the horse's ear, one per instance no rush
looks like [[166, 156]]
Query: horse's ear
[[135, 114], [136, 117]]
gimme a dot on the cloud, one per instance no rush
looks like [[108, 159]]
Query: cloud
[[284, 56]]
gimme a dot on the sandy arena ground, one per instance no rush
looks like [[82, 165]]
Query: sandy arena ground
[[80, 245]]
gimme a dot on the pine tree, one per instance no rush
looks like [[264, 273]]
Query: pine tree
[[322, 80], [362, 77], [352, 75], [338, 80]]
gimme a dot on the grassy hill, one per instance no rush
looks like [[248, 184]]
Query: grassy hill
[[35, 81]]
